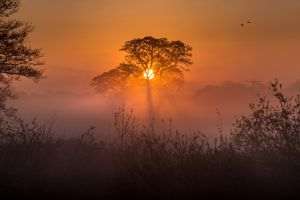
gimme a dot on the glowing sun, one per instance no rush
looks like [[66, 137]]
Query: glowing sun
[[149, 74]]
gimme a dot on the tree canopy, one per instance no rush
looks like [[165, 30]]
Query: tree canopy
[[168, 60], [17, 59]]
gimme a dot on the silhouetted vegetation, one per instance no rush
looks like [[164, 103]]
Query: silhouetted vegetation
[[17, 58], [168, 60], [260, 158]]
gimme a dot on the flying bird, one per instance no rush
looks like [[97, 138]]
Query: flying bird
[[249, 21]]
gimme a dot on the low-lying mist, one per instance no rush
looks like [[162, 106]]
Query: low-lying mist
[[205, 107]]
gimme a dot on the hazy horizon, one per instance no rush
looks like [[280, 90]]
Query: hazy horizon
[[81, 39]]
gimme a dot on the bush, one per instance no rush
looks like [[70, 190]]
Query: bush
[[271, 126]]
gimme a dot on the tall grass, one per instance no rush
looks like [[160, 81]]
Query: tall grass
[[259, 158]]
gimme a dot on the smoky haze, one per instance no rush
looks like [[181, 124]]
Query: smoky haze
[[203, 106], [83, 41]]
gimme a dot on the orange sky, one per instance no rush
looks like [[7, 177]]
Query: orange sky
[[86, 35], [81, 38]]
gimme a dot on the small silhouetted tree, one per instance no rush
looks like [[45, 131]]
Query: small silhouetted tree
[[17, 59]]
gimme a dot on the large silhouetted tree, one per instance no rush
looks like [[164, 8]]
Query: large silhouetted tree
[[157, 59], [17, 59], [168, 60]]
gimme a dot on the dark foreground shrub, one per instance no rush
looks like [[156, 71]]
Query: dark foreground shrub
[[259, 159], [167, 164]]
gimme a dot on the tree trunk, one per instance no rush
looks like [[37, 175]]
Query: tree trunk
[[150, 107]]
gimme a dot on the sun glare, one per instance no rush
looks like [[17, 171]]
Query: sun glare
[[149, 74]]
